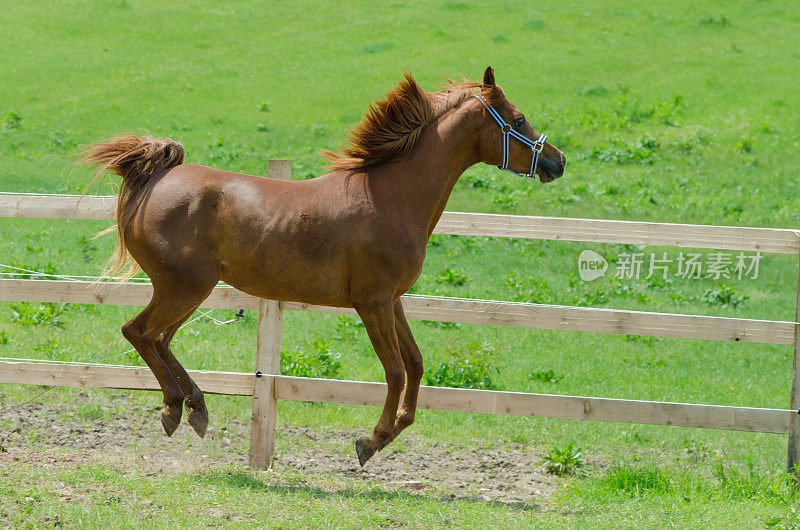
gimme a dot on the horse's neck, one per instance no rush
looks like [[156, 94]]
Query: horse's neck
[[423, 181]]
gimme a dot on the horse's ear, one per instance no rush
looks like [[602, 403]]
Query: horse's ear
[[488, 77]]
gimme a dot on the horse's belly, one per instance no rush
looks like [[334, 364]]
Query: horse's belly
[[286, 280]]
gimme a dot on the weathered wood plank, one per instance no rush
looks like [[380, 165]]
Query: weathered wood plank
[[543, 405], [122, 377], [91, 207], [731, 238], [446, 399], [533, 316]]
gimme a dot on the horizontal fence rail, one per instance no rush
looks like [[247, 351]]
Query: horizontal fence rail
[[513, 314], [433, 398], [769, 240]]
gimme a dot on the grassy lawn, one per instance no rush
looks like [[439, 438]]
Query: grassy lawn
[[679, 112]]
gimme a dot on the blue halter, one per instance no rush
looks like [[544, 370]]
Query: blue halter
[[508, 131]]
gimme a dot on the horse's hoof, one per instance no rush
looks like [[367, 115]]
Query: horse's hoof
[[198, 419], [170, 420], [364, 450]]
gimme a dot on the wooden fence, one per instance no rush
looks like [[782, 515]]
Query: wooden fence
[[269, 386]]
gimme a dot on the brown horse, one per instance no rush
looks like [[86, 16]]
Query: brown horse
[[355, 237]]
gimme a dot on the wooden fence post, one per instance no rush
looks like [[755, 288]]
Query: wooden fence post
[[793, 456], [268, 362]]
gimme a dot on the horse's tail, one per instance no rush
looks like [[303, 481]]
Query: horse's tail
[[136, 159]]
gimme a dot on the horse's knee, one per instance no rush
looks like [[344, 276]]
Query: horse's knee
[[130, 331], [138, 334]]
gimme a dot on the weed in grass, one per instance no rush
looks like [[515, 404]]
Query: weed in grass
[[452, 276], [634, 482], [563, 462], [89, 411], [628, 107], [745, 145], [461, 373], [11, 121], [3, 338], [506, 201], [314, 360], [730, 483], [262, 127], [534, 24], [87, 247], [441, 325], [472, 243], [724, 296], [594, 90], [377, 47], [455, 6], [546, 376], [348, 328], [640, 338], [645, 363], [499, 39], [527, 289], [264, 107], [466, 369], [526, 247], [635, 435], [592, 298], [699, 451], [641, 151], [659, 282], [480, 181], [45, 314], [721, 21], [751, 483], [50, 348]]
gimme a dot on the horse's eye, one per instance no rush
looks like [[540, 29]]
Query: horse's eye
[[519, 122]]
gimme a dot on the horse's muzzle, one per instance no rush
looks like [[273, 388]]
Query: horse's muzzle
[[552, 169]]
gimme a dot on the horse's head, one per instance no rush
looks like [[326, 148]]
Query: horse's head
[[508, 141]]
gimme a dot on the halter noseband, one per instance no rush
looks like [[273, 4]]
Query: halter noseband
[[507, 130]]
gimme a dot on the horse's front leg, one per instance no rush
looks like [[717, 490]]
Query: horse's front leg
[[379, 319], [412, 359]]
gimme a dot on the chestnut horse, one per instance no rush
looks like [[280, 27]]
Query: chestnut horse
[[355, 237]]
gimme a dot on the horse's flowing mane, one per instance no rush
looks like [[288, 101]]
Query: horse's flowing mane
[[392, 126]]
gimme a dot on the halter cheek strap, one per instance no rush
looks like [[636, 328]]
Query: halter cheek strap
[[508, 131]]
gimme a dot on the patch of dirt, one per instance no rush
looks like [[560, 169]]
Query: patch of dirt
[[45, 435]]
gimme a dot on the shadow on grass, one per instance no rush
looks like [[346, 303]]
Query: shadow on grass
[[243, 480]]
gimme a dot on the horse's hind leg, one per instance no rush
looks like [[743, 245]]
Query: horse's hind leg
[[139, 332], [171, 303], [193, 396]]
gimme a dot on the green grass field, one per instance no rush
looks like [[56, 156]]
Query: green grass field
[[675, 112]]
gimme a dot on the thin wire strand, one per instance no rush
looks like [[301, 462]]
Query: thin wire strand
[[56, 195], [28, 272]]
